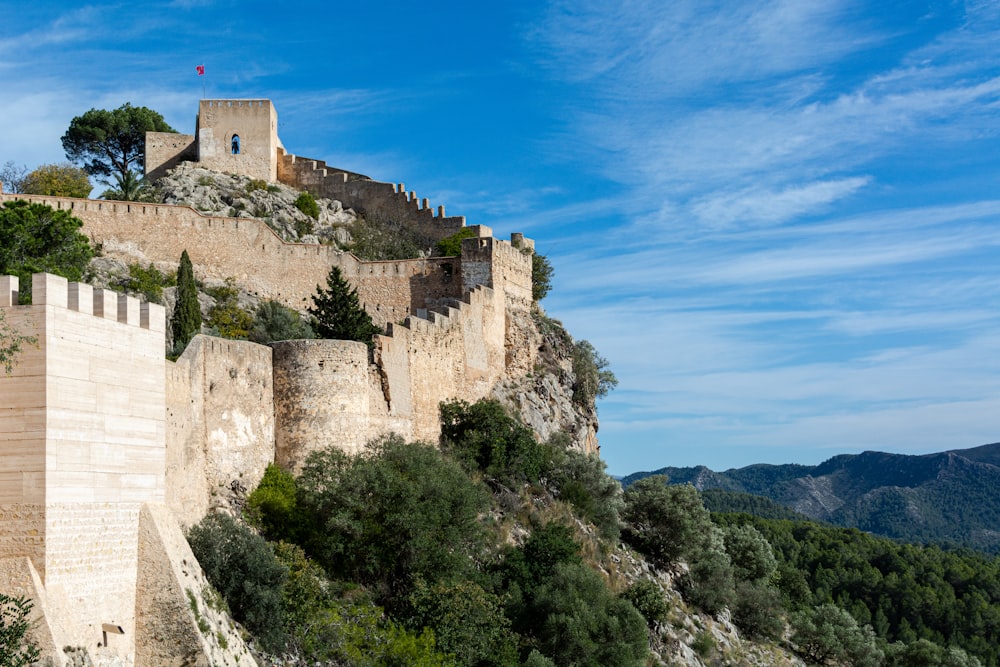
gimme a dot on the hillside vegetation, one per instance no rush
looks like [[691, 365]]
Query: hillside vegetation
[[946, 498]]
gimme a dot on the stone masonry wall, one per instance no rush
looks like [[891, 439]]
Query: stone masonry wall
[[165, 150], [331, 393], [93, 393], [390, 201], [220, 423], [255, 122]]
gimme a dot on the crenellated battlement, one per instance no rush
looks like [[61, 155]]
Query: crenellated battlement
[[57, 292]]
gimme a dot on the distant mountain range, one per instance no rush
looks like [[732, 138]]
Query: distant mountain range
[[950, 497]]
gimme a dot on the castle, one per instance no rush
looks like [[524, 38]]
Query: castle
[[107, 450]]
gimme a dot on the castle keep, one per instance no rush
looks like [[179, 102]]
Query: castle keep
[[106, 449]]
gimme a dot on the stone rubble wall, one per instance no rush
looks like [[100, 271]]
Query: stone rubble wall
[[220, 423], [389, 201]]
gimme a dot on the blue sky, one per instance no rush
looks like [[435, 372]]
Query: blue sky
[[779, 221]]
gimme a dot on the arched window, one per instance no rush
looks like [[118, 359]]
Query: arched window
[[236, 144]]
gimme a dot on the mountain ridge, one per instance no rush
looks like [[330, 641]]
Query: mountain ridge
[[940, 497]]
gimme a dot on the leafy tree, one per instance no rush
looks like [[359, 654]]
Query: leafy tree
[[242, 566], [541, 276], [665, 522], [529, 565], [484, 437], [709, 583], [580, 479], [829, 635], [34, 238], [757, 610], [57, 180], [337, 312], [274, 321], [186, 319], [451, 246], [16, 649], [579, 622], [112, 143], [467, 621], [924, 653], [593, 377], [400, 514], [750, 553], [12, 177], [306, 203], [11, 343]]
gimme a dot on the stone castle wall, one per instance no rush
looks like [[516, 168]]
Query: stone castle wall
[[82, 428], [248, 250], [166, 150], [389, 201], [338, 394], [220, 423], [252, 123]]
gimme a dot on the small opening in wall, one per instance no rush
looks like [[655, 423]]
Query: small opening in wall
[[236, 144]]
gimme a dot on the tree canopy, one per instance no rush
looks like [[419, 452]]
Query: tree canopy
[[35, 238], [337, 311], [57, 180], [112, 143]]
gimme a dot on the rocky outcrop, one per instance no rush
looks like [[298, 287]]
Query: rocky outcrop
[[235, 196]]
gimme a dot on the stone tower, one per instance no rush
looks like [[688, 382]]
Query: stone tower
[[239, 136]]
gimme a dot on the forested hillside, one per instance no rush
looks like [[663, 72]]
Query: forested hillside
[[945, 498]]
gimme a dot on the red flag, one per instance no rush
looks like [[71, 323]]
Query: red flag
[[201, 70]]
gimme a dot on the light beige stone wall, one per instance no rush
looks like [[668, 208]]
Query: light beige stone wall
[[92, 396], [220, 423], [255, 122], [332, 393], [165, 150], [389, 201]]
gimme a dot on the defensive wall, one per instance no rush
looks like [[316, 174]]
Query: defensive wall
[[241, 137], [82, 453], [249, 251]]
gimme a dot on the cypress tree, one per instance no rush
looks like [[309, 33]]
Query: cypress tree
[[337, 312], [186, 320]]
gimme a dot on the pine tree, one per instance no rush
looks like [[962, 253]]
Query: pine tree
[[186, 320], [337, 312]]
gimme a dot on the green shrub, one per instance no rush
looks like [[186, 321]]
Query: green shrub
[[649, 601], [579, 622], [243, 568], [16, 648], [402, 513], [256, 184], [750, 553], [468, 623], [484, 437], [830, 634], [147, 281], [274, 506], [593, 377], [226, 317], [665, 522], [757, 610], [306, 203], [451, 246], [274, 321], [580, 479], [541, 276]]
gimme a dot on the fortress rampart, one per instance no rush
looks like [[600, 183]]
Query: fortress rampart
[[82, 425], [84, 532], [249, 251]]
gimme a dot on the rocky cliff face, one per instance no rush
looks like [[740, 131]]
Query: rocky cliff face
[[545, 397]]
